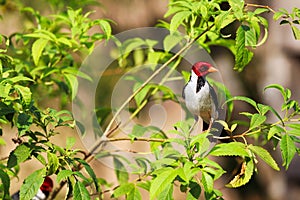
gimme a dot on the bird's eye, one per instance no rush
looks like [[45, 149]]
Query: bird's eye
[[204, 68]]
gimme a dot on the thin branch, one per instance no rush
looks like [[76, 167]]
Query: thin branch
[[139, 139], [260, 6]]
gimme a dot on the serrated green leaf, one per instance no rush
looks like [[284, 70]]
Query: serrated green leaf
[[37, 48], [32, 184], [80, 192], [162, 181], [5, 182], [53, 163], [20, 154], [229, 149], [257, 120], [264, 155], [177, 19], [244, 176], [242, 55], [288, 150], [63, 174]]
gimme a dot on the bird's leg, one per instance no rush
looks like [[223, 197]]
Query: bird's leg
[[210, 123]]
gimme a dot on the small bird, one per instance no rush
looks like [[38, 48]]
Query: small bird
[[200, 97], [42, 193]]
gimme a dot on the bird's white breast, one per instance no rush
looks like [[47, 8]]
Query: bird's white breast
[[199, 103]]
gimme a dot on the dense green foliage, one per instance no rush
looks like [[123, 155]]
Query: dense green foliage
[[43, 60]]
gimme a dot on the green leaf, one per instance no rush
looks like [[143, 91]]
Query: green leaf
[[278, 15], [120, 170], [194, 191], [238, 7], [296, 32], [5, 182], [106, 27], [171, 41], [242, 55], [274, 130], [244, 176], [37, 49], [73, 83], [91, 173], [53, 163], [207, 182], [256, 120], [162, 181], [25, 93], [137, 131], [167, 193], [264, 155], [134, 194], [177, 19], [70, 142], [20, 154], [123, 189], [224, 19], [64, 174], [229, 149], [202, 143], [288, 150], [284, 92], [32, 184], [245, 99], [80, 192], [261, 10], [141, 95]]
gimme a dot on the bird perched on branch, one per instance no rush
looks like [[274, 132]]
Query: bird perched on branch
[[42, 193], [200, 97]]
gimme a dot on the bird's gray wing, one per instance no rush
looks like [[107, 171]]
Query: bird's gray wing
[[214, 96]]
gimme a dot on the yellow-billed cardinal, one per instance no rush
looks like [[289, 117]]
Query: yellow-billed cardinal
[[200, 97], [42, 193]]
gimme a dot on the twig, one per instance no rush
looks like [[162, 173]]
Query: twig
[[260, 6]]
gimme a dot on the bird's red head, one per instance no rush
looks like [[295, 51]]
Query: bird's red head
[[203, 68], [47, 185]]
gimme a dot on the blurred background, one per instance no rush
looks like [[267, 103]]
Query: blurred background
[[277, 61]]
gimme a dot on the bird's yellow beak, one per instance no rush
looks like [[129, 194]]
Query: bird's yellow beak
[[212, 69]]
